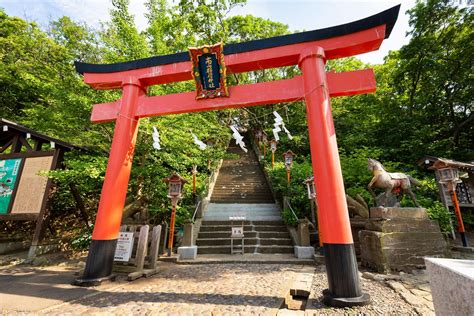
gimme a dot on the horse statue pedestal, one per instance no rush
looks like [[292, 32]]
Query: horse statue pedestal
[[398, 212], [398, 238]]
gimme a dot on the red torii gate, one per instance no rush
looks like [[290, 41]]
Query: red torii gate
[[309, 50]]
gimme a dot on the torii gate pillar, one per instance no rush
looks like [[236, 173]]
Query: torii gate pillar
[[340, 257]]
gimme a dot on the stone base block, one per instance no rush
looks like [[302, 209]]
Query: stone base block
[[43, 249], [399, 251], [187, 253], [13, 245], [402, 225], [398, 212], [452, 285], [304, 252]]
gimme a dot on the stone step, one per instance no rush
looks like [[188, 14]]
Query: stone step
[[242, 192], [235, 207], [238, 176], [237, 200], [247, 186], [254, 201], [226, 234], [247, 249], [224, 215], [249, 214], [240, 186], [239, 195], [246, 222], [247, 228], [256, 187], [253, 217], [247, 241]]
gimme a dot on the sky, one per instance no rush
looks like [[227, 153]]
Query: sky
[[299, 15]]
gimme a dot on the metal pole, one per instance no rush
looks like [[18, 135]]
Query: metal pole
[[341, 264]]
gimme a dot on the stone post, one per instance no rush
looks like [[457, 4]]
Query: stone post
[[188, 234], [303, 232], [187, 251], [303, 250]]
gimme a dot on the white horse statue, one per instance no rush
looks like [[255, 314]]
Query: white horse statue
[[390, 182]]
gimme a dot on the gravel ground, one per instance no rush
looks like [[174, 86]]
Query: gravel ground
[[384, 301]]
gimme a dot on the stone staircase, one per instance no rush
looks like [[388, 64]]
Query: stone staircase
[[242, 190], [260, 237], [241, 180]]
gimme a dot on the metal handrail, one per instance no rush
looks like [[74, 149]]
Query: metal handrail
[[195, 211], [291, 209]]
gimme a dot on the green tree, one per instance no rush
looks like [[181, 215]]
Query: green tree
[[433, 77]]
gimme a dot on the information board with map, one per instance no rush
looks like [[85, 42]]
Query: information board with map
[[32, 186], [9, 169]]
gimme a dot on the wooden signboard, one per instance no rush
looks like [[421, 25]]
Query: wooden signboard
[[24, 193], [237, 231], [209, 71], [30, 181], [123, 252]]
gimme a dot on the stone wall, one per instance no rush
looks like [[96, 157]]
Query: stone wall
[[357, 224]]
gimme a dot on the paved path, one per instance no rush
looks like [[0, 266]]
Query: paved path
[[201, 289], [228, 289], [31, 289]]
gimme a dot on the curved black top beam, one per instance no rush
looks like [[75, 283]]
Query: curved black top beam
[[387, 17]]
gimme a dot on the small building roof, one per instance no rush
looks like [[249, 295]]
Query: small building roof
[[16, 128], [431, 162]]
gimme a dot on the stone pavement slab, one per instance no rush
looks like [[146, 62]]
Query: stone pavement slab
[[259, 258], [30, 289]]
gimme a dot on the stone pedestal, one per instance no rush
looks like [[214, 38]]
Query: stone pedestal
[[398, 212], [304, 252], [398, 239], [187, 253], [452, 285]]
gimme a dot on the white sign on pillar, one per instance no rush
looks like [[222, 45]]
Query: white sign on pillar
[[123, 251]]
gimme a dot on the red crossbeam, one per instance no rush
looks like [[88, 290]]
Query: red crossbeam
[[336, 47], [289, 90]]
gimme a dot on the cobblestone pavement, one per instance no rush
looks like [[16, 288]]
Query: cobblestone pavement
[[415, 289], [227, 289], [230, 289], [384, 300]]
